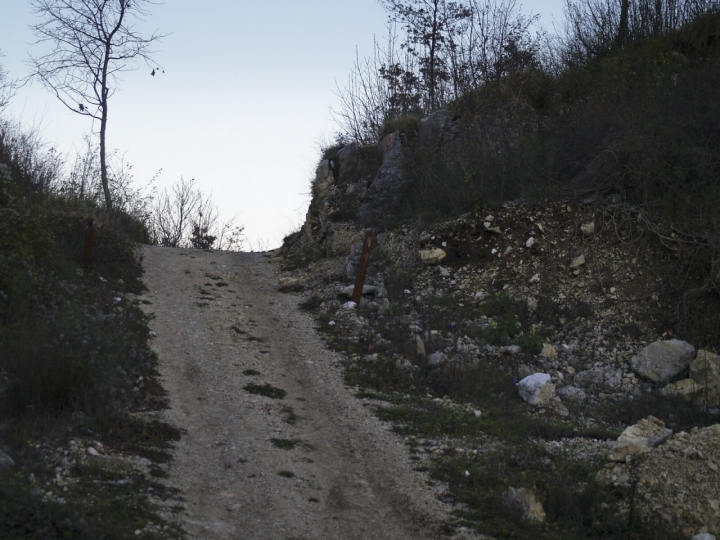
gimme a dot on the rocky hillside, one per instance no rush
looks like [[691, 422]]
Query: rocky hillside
[[534, 356]]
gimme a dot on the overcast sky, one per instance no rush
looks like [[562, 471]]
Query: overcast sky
[[243, 104]]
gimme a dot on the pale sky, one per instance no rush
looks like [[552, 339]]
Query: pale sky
[[242, 107]]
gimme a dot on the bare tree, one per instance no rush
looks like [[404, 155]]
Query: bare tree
[[8, 86], [186, 217], [91, 43]]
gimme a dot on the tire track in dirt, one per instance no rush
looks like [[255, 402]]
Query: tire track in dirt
[[313, 465]]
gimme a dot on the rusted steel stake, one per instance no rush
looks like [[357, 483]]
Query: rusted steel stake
[[89, 234], [362, 271]]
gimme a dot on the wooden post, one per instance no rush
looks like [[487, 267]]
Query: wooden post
[[89, 235], [362, 271]]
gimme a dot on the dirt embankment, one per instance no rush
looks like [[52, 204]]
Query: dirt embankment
[[274, 444]]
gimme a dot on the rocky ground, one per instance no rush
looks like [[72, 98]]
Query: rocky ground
[[536, 327]]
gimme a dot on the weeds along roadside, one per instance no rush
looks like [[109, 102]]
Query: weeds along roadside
[[75, 370]]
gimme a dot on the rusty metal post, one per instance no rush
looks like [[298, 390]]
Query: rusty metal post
[[362, 271], [89, 236]]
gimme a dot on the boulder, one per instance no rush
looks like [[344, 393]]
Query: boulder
[[640, 438], [662, 360], [288, 284], [432, 256], [523, 502], [537, 389]]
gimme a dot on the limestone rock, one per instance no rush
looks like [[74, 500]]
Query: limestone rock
[[388, 187], [348, 159], [577, 262], [323, 179], [705, 371], [686, 389], [662, 360], [432, 256], [537, 389], [288, 284], [588, 228], [419, 346], [600, 376], [572, 393], [640, 438], [523, 501], [368, 290], [5, 461], [437, 128], [436, 359], [548, 351]]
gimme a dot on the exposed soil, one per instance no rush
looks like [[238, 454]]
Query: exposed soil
[[256, 462]]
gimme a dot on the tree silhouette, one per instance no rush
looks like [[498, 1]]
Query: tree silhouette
[[92, 41]]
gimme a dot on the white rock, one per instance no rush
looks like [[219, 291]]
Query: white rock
[[640, 438], [704, 536], [523, 501], [537, 389], [444, 272], [512, 349], [92, 452], [577, 262], [349, 305], [436, 359], [588, 228], [534, 279], [432, 256], [662, 360], [530, 242]]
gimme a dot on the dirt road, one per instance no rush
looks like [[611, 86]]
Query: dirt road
[[312, 465]]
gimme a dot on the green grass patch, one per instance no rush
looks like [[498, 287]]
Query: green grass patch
[[266, 390]]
